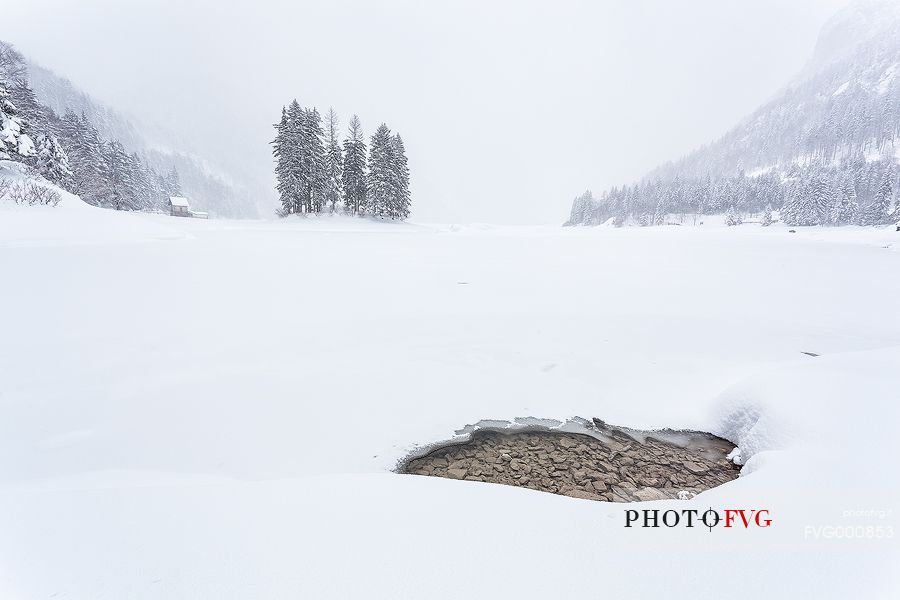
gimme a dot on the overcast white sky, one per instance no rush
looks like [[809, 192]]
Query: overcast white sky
[[508, 109]]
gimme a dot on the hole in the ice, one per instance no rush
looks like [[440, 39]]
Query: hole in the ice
[[583, 459]]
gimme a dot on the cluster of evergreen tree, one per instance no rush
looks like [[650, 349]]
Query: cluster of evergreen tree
[[317, 173], [856, 192], [69, 151]]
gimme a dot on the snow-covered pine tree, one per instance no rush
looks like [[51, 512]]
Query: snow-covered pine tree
[[300, 160], [53, 162], [380, 179], [8, 141], [400, 203], [843, 209], [39, 118], [661, 210], [85, 151], [718, 197], [799, 207], [879, 210], [582, 207], [733, 217], [118, 175], [141, 189], [704, 195], [171, 185], [12, 64], [821, 195], [354, 175], [15, 141], [643, 218], [296, 162], [767, 216], [314, 165], [741, 193], [158, 190], [281, 150], [334, 161], [143, 194], [162, 191]]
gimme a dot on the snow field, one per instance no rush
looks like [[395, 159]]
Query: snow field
[[211, 408]]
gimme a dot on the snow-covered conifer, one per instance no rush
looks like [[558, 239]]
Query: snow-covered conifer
[[281, 150], [53, 162], [313, 171], [733, 217], [879, 210], [15, 141], [333, 162], [582, 207], [843, 209], [171, 183], [380, 179], [400, 200], [85, 151], [799, 206], [354, 172], [119, 177]]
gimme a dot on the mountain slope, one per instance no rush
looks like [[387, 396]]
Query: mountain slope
[[824, 150], [160, 164]]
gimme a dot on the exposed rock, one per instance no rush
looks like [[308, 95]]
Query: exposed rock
[[458, 465], [627, 485], [646, 494], [620, 495], [610, 467], [456, 473], [696, 468]]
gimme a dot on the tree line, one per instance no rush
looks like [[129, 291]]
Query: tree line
[[856, 192], [318, 173]]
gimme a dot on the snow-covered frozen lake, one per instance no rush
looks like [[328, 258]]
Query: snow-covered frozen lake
[[211, 409]]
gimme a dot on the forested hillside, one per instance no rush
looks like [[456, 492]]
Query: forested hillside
[[91, 150], [823, 152]]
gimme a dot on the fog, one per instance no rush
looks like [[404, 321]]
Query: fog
[[507, 109]]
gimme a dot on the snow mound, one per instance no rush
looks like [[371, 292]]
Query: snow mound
[[810, 405], [72, 221]]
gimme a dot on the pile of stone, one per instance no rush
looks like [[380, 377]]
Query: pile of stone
[[607, 465]]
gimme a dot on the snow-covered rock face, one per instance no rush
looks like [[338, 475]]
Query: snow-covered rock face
[[586, 460]]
